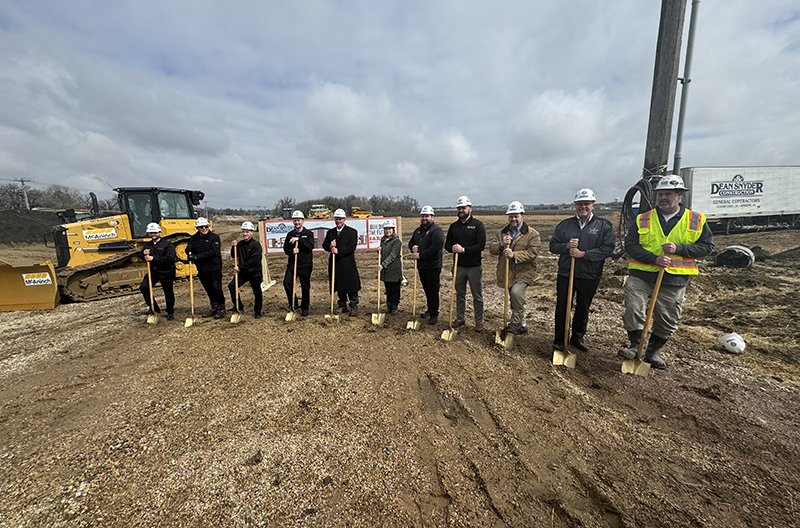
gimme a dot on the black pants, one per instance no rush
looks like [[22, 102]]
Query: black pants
[[343, 299], [583, 290], [392, 293], [429, 278], [304, 280], [169, 293], [212, 284], [255, 284]]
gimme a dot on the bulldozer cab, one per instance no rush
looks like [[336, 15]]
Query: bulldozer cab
[[145, 205]]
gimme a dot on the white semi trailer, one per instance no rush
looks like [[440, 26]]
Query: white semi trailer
[[741, 198]]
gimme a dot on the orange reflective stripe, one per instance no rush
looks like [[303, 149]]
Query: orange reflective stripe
[[694, 221], [645, 221]]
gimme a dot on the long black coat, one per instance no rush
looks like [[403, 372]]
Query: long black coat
[[347, 279]]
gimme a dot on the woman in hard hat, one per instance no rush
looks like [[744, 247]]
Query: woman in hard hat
[[390, 267]]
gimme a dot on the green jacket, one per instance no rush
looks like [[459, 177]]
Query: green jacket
[[390, 259]]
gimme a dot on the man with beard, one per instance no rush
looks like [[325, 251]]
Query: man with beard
[[160, 253], [299, 242], [426, 247], [204, 251], [249, 254], [342, 241], [467, 236], [669, 237], [589, 240], [518, 243]]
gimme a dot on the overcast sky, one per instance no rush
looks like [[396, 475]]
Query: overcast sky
[[251, 101]]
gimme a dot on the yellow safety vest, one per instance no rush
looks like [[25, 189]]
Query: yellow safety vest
[[651, 237]]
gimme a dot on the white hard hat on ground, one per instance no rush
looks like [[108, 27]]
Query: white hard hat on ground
[[515, 208], [672, 182], [153, 228], [427, 209], [298, 214], [201, 222], [340, 214], [463, 201], [249, 226], [585, 195], [733, 343]]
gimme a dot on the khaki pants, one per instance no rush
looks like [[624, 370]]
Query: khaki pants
[[516, 294], [667, 310]]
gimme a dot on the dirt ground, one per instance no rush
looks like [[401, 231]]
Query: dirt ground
[[108, 421]]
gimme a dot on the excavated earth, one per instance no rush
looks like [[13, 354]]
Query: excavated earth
[[108, 421]]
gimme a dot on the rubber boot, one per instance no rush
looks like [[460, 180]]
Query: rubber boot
[[635, 337], [653, 353]]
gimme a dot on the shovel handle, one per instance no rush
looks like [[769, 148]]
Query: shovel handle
[[414, 300], [505, 294], [236, 276], [294, 277], [333, 279], [453, 291], [379, 281], [650, 307], [150, 286], [569, 300]]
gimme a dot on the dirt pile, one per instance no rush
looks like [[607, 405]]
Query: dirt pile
[[25, 226]]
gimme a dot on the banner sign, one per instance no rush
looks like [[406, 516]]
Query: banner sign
[[370, 232]]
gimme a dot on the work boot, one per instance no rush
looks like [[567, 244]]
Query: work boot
[[577, 342], [517, 329], [653, 353], [424, 315], [433, 320], [220, 311], [635, 337], [394, 310], [211, 313], [354, 310]]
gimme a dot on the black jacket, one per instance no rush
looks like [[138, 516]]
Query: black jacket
[[597, 239], [430, 242], [163, 263], [472, 236], [305, 257], [205, 252], [249, 255], [347, 279]]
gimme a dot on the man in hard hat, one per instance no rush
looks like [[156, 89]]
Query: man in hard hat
[[300, 242], [341, 242], [588, 239], [249, 255], [467, 237], [204, 251], [160, 253], [670, 237], [518, 243], [426, 247]]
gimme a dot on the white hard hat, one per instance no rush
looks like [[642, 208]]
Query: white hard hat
[[463, 201], [340, 214], [298, 214], [389, 224], [673, 182], [733, 343], [515, 208], [585, 195], [428, 210], [249, 226], [200, 222], [153, 228]]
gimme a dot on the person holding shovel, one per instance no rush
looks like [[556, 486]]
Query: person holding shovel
[[426, 247], [391, 268], [341, 242], [248, 252], [160, 253], [204, 251], [300, 242], [670, 237], [589, 240], [467, 236], [519, 244]]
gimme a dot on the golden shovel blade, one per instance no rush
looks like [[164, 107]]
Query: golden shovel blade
[[235, 318], [152, 318], [506, 341], [636, 366], [412, 325], [378, 319], [331, 319], [291, 316], [449, 334], [189, 322], [565, 358], [270, 284]]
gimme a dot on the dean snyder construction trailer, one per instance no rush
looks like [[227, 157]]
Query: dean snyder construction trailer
[[736, 198]]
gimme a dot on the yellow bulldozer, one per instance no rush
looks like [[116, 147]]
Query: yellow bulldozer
[[357, 212], [100, 257], [319, 211]]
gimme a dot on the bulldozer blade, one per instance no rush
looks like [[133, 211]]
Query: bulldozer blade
[[189, 322], [291, 316], [565, 358], [412, 325], [636, 366], [266, 286], [237, 317], [505, 339], [449, 334], [331, 319], [27, 287], [378, 319], [152, 318]]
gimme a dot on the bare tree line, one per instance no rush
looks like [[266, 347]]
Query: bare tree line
[[378, 203], [12, 196]]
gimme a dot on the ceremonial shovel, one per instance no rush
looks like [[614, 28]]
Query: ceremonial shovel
[[414, 324], [379, 318], [291, 316], [449, 334], [503, 337], [332, 318], [565, 357], [637, 366], [153, 317], [190, 320], [235, 318]]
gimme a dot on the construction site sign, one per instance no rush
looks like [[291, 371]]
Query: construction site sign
[[370, 231]]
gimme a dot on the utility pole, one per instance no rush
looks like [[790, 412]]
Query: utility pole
[[665, 79], [685, 80], [22, 182]]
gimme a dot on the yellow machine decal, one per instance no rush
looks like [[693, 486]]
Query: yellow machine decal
[[100, 234], [37, 279]]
